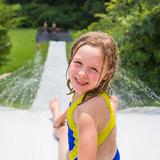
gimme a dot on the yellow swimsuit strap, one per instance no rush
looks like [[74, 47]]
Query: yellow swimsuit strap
[[104, 133], [70, 112], [74, 152]]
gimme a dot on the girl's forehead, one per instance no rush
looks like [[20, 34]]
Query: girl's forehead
[[88, 51], [91, 56]]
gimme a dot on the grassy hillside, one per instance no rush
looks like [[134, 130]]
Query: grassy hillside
[[23, 49]]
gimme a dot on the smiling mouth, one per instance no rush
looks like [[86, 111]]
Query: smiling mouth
[[82, 83]]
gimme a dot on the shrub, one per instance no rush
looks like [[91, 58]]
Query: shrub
[[7, 19]]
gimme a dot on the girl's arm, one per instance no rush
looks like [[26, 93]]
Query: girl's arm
[[60, 120], [87, 137]]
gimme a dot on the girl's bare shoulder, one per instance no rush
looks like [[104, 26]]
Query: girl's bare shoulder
[[96, 107], [94, 104]]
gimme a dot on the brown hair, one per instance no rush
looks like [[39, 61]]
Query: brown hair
[[109, 52]]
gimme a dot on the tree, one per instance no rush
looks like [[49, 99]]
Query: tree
[[135, 24], [67, 14], [7, 19]]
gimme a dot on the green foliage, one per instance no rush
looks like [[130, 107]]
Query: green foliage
[[8, 15], [66, 14], [7, 19], [38, 13], [143, 52], [4, 45], [136, 27], [21, 53], [33, 13], [25, 68]]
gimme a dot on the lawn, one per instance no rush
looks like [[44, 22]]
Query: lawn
[[26, 66], [23, 49]]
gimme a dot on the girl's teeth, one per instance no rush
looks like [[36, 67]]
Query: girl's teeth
[[83, 83]]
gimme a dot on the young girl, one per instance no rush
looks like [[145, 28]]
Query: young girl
[[90, 132]]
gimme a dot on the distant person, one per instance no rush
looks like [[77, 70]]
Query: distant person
[[54, 36], [90, 132], [42, 35], [59, 34], [54, 27]]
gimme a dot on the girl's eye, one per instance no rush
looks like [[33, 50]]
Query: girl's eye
[[94, 69], [78, 62]]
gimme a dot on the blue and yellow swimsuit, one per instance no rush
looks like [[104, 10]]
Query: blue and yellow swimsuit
[[102, 135]]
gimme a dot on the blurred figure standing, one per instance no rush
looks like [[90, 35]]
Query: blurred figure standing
[[53, 32], [42, 34]]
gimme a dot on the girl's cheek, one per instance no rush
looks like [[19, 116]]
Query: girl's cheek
[[72, 66], [71, 70], [94, 77]]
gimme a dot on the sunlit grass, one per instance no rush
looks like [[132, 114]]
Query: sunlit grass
[[19, 88], [23, 49]]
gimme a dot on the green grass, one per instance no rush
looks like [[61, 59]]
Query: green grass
[[23, 49], [69, 44], [22, 53]]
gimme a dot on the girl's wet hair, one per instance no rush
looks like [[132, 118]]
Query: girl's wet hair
[[109, 49]]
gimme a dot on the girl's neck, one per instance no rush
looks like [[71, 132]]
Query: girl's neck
[[77, 95]]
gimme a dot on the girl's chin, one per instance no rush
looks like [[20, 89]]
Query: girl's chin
[[80, 90]]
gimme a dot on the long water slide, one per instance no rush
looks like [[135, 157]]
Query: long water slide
[[28, 134], [53, 82]]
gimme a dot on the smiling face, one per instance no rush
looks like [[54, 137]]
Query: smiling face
[[85, 70]]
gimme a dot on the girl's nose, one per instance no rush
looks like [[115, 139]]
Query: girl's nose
[[82, 73]]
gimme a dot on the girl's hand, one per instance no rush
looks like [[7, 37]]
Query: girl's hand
[[59, 122], [54, 105], [114, 102], [59, 119]]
